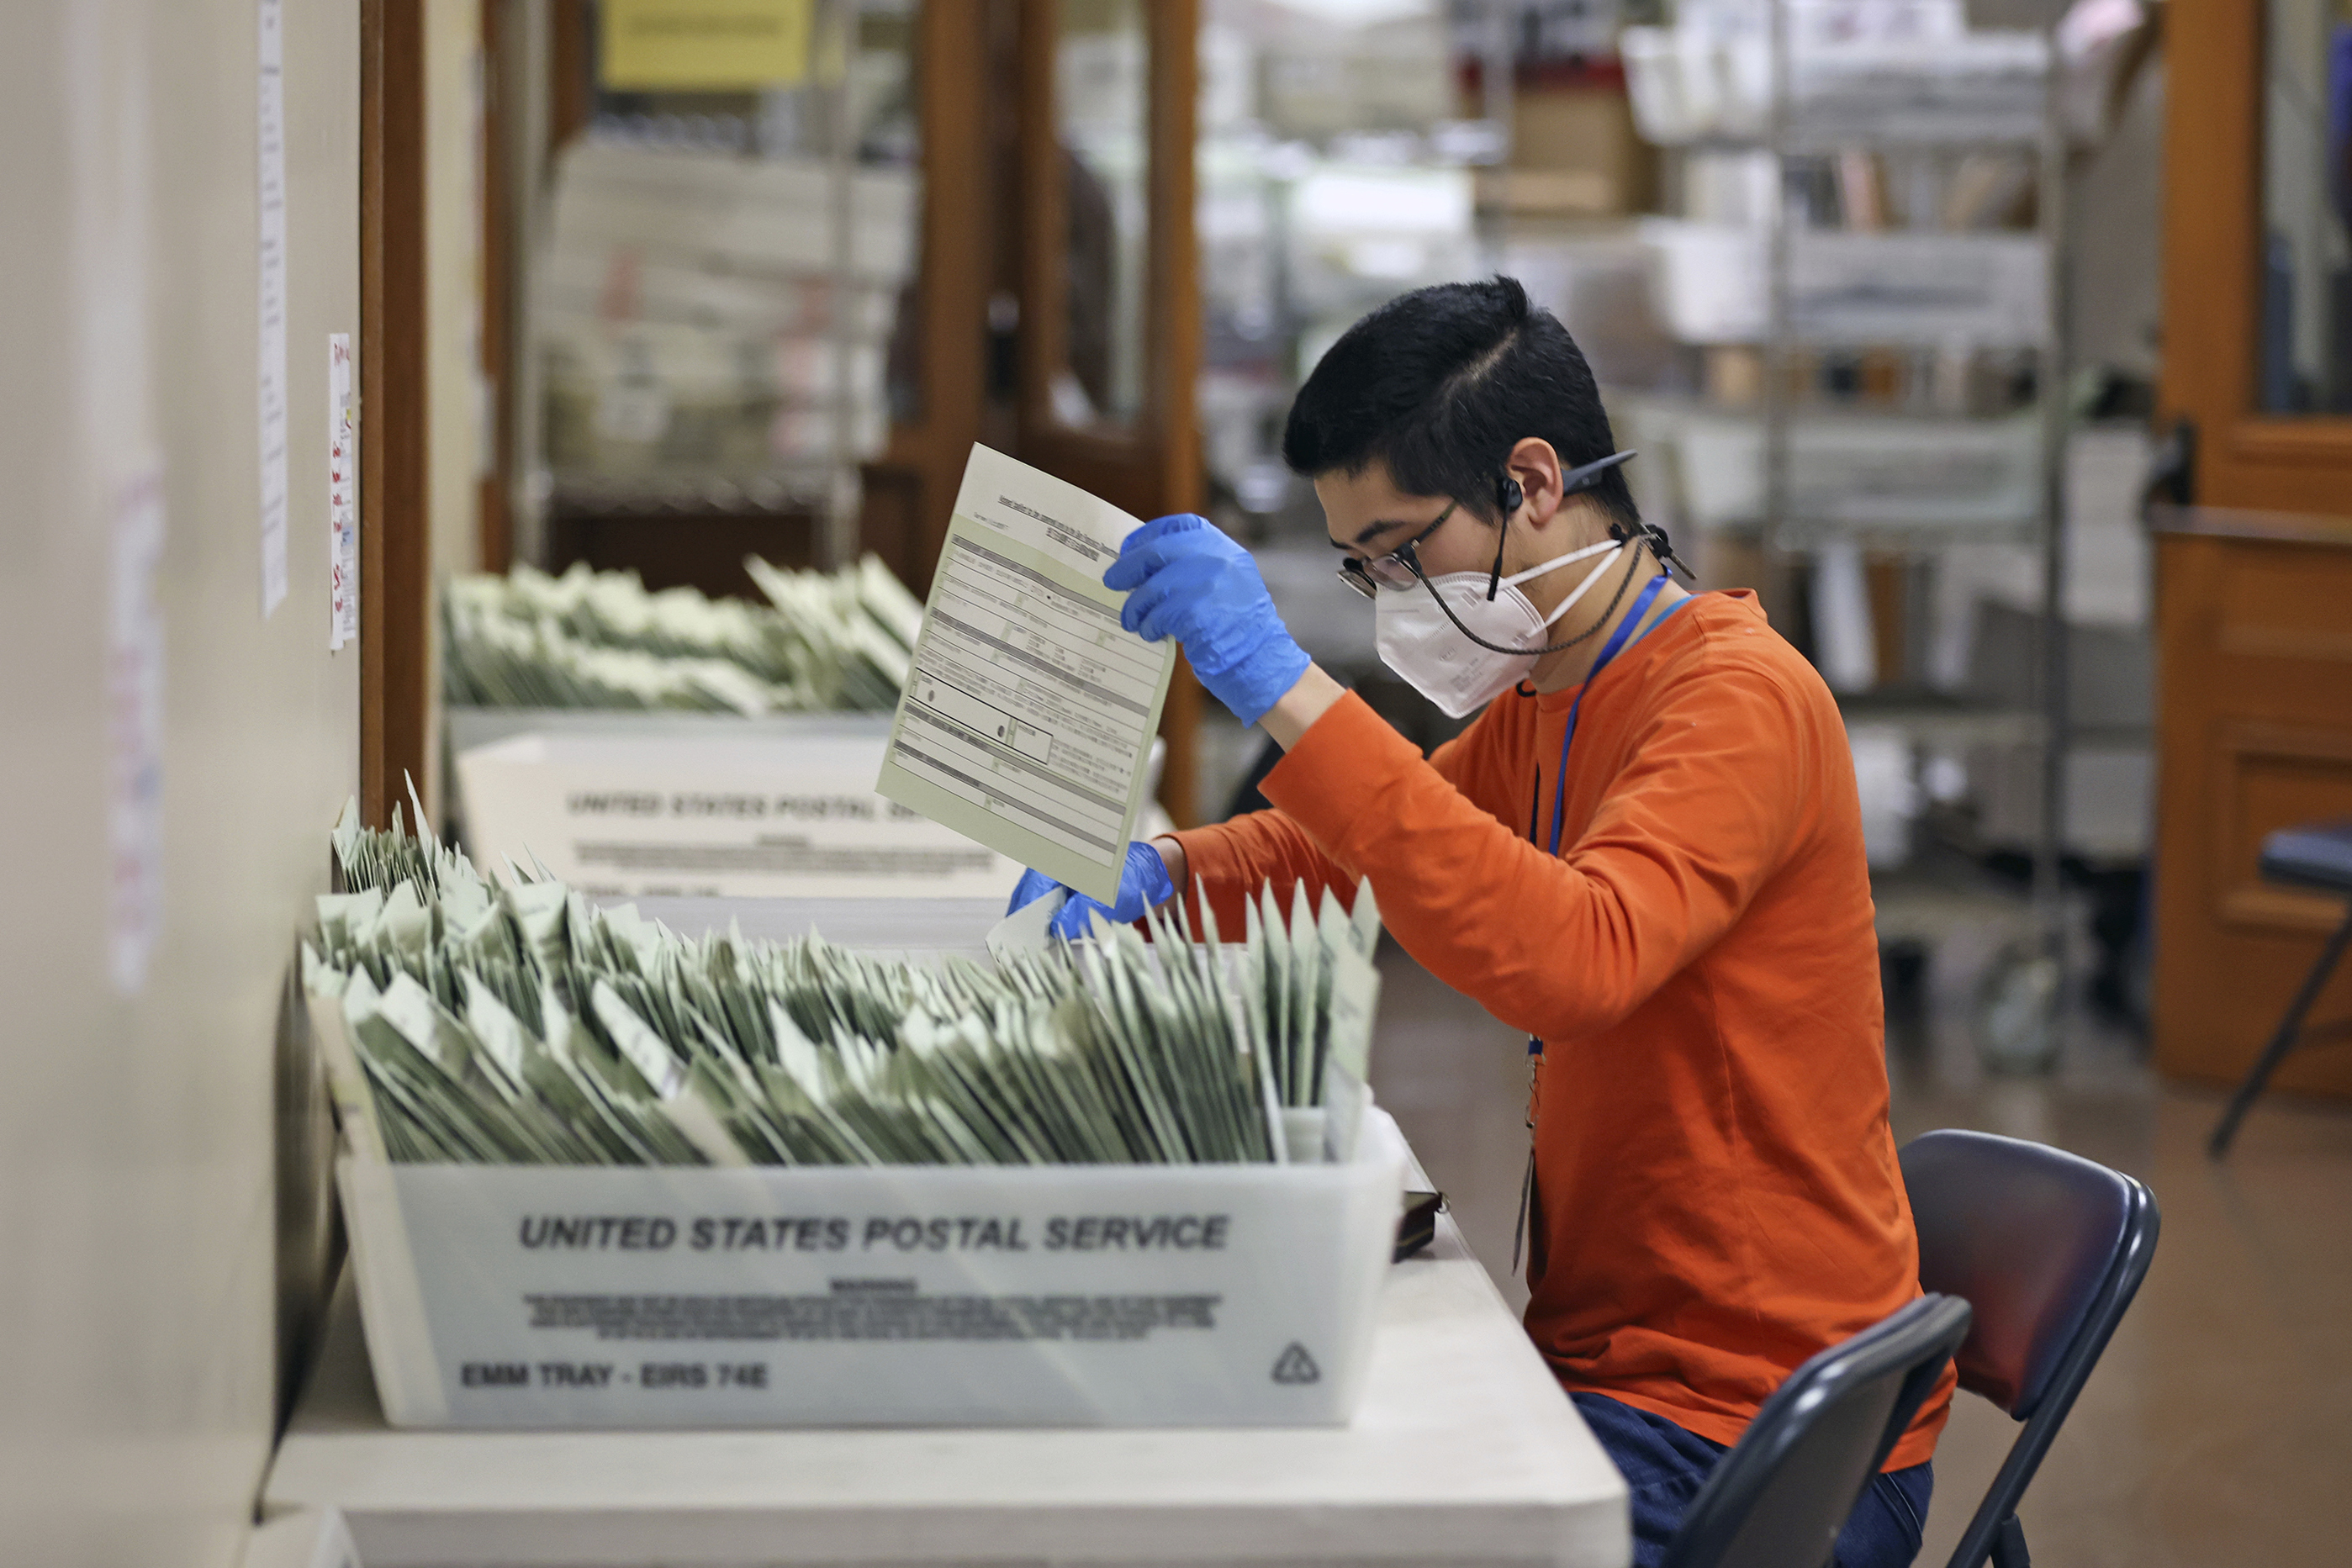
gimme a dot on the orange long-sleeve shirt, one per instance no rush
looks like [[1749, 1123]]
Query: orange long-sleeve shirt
[[1718, 1195]]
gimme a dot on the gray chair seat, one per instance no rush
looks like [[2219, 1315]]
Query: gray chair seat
[[2316, 854]]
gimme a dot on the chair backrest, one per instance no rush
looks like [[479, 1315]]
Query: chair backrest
[[1779, 1497], [2049, 1248], [2028, 1235]]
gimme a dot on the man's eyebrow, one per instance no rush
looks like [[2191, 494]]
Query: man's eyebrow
[[1371, 531]]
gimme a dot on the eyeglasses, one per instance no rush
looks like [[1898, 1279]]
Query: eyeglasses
[[1400, 568]]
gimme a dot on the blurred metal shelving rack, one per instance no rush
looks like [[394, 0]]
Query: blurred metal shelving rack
[[2019, 1000], [816, 492]]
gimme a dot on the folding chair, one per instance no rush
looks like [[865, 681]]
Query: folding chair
[[2049, 1248], [1781, 1495], [2314, 856]]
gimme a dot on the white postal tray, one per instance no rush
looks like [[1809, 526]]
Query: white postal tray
[[576, 1296]]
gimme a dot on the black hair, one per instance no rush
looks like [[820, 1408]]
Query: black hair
[[1439, 384]]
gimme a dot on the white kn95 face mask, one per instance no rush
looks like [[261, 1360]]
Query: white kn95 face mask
[[1427, 649]]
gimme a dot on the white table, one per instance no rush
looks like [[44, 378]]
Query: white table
[[1465, 1453]]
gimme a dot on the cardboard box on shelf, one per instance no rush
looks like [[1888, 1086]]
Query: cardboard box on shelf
[[1882, 472], [1984, 290], [1574, 153]]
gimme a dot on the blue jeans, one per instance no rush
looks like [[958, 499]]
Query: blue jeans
[[1664, 1466]]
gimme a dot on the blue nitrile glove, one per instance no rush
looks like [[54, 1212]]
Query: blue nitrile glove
[[1189, 581], [1143, 883]]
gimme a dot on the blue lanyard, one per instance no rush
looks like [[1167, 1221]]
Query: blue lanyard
[[1618, 641]]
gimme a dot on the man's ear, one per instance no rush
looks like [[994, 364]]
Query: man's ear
[[1536, 467]]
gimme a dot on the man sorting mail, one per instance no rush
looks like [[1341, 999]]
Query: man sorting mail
[[1646, 853]]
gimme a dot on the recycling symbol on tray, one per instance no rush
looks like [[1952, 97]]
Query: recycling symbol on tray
[[1295, 1366]]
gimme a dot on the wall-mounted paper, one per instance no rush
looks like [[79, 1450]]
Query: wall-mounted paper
[[272, 182], [120, 459], [1028, 721], [342, 496], [703, 45], [134, 729]]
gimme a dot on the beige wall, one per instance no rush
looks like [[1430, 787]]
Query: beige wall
[[453, 261], [138, 1211]]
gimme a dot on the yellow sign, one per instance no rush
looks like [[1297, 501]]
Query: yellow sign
[[703, 45]]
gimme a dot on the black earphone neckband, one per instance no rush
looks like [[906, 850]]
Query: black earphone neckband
[[1623, 583], [1583, 477]]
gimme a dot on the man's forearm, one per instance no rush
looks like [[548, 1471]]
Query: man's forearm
[[1172, 856], [1292, 714], [1295, 712]]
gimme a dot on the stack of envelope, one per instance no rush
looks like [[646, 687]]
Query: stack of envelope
[[475, 1020], [824, 642]]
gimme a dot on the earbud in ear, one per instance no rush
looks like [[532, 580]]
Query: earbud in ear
[[1509, 495]]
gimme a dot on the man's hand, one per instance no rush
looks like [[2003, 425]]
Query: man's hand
[[1186, 580], [1144, 883]]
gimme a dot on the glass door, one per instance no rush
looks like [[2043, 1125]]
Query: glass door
[[1109, 318], [1109, 339], [2258, 250], [722, 295]]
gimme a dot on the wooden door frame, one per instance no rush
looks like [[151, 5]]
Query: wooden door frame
[[500, 279], [395, 543], [2213, 280], [2262, 484], [1152, 466]]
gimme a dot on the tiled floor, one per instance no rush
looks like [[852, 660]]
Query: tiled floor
[[2218, 1430]]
